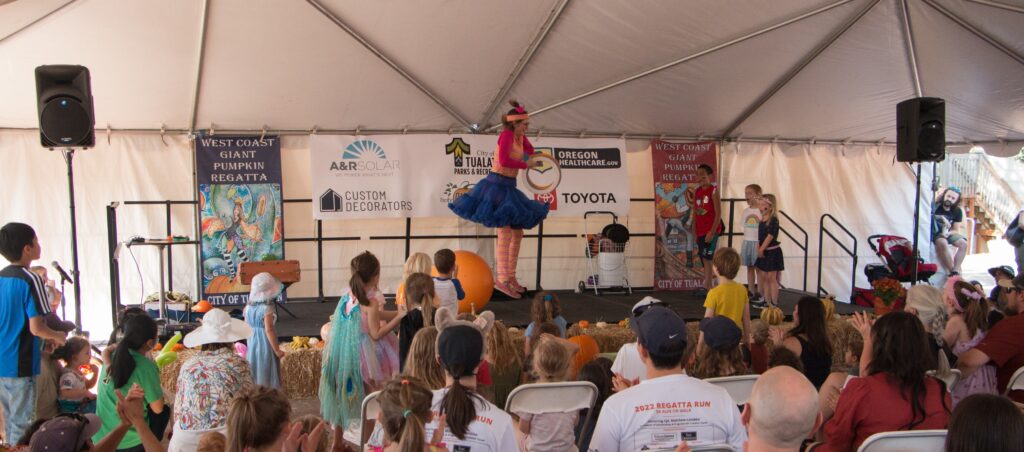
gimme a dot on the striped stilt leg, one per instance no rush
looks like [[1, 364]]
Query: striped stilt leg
[[501, 262], [513, 259]]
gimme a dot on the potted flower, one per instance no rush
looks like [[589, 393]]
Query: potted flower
[[887, 292]]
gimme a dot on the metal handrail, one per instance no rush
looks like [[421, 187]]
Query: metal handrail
[[801, 246], [821, 236]]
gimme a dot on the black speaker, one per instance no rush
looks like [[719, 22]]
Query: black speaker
[[66, 117], [921, 130]]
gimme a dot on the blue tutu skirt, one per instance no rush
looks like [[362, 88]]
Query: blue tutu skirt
[[495, 202]]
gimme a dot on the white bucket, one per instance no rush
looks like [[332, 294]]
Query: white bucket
[[611, 268]]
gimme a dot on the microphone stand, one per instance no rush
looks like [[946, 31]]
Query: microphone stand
[[63, 304]]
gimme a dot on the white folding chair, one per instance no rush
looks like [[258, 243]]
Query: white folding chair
[[950, 378], [368, 412], [739, 387], [908, 441], [1016, 382], [563, 397]]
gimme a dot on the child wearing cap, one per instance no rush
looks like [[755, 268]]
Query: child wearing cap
[[471, 423], [719, 355], [628, 367], [669, 405]]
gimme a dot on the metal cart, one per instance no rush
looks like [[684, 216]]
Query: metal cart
[[606, 252]]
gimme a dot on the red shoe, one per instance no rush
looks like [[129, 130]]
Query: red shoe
[[512, 283], [505, 289]]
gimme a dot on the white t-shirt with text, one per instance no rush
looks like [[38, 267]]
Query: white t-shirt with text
[[659, 413], [492, 431]]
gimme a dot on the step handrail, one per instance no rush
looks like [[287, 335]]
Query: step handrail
[[822, 232], [802, 246]]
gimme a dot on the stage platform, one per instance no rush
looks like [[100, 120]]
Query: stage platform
[[575, 307]]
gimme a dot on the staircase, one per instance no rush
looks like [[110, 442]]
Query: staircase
[[987, 198]]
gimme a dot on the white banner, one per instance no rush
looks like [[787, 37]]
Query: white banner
[[418, 175]]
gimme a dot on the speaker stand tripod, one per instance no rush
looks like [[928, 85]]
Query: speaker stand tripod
[[69, 155]]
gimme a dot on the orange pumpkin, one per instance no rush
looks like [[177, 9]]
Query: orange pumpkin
[[771, 315], [178, 347], [587, 353], [584, 324], [158, 347]]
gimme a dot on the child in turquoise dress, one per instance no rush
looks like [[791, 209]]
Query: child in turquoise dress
[[361, 347], [264, 353]]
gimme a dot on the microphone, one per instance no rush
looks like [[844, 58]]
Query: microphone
[[63, 274]]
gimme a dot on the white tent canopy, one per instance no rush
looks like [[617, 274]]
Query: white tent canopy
[[803, 92], [832, 69]]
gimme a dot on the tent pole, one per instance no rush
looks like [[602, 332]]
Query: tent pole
[[999, 5], [976, 31], [911, 53], [391, 63], [796, 69], [199, 66], [40, 19], [556, 12], [686, 58]]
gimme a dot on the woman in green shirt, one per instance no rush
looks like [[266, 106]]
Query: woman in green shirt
[[129, 365]]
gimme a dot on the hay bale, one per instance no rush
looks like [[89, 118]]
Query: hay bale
[[169, 374], [300, 372]]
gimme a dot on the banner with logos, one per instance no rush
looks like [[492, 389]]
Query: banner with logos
[[241, 216], [418, 175], [677, 265]]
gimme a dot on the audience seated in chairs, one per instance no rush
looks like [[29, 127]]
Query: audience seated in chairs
[[878, 401]]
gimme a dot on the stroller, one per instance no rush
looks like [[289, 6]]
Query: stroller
[[897, 255]]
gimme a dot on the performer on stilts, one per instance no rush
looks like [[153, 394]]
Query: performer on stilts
[[496, 202]]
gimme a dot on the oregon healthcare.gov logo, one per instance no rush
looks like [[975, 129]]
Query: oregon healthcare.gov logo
[[365, 158]]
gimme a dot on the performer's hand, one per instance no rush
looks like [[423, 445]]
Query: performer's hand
[[760, 252], [708, 237]]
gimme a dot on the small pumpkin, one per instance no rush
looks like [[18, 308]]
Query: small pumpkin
[[587, 353], [178, 347], [158, 347], [772, 315], [829, 303], [584, 324]]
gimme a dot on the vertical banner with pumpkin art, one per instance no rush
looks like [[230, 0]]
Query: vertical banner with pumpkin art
[[677, 265], [240, 211]]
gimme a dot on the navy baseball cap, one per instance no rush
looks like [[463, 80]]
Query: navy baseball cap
[[660, 331], [721, 332], [460, 345], [1005, 269]]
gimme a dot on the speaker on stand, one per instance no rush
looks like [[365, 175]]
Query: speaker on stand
[[920, 137], [66, 121]]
